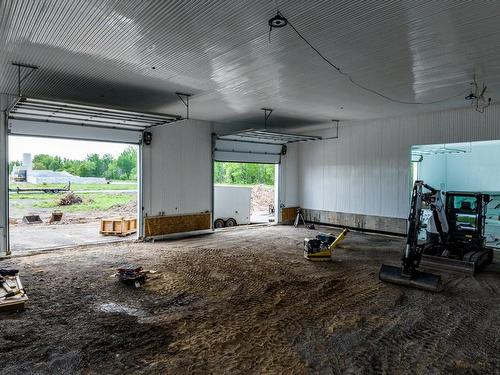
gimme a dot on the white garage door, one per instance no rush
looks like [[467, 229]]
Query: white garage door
[[255, 146], [44, 118]]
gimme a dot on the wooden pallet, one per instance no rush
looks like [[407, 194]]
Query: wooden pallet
[[119, 226], [16, 302]]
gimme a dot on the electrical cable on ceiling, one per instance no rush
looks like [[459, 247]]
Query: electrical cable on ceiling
[[477, 96], [280, 20]]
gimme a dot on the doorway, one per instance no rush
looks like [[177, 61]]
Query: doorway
[[67, 192], [244, 193], [464, 167]]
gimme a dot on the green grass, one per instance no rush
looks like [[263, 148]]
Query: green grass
[[123, 185], [243, 185], [91, 202]]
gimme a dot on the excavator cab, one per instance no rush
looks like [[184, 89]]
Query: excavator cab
[[466, 214]]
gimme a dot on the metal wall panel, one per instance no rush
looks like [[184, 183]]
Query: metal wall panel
[[177, 169], [366, 170], [289, 178]]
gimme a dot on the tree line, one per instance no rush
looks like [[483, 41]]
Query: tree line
[[123, 167], [243, 173]]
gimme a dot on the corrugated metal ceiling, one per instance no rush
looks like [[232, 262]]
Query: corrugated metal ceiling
[[136, 54]]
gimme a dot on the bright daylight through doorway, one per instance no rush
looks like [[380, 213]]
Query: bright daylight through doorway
[[62, 191], [244, 193], [467, 166]]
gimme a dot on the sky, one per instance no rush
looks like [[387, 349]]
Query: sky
[[64, 148]]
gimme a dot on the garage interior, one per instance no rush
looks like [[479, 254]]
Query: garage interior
[[382, 120]]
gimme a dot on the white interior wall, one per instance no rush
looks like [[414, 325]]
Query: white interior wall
[[476, 170], [366, 170], [289, 177], [177, 169], [432, 170]]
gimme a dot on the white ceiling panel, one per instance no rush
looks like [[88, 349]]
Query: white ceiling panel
[[137, 54]]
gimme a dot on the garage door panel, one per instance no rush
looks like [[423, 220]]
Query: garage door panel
[[241, 157], [247, 152], [54, 130]]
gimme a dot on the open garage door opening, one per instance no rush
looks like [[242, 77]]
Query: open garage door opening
[[458, 168], [65, 192], [244, 193]]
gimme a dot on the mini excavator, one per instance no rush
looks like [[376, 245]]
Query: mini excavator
[[455, 238], [320, 249]]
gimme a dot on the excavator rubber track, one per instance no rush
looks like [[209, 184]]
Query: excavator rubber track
[[446, 264], [472, 262]]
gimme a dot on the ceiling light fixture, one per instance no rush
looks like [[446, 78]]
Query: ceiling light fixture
[[276, 22]]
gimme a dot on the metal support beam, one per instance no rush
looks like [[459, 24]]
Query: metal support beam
[[4, 181], [21, 78], [267, 114], [185, 100]]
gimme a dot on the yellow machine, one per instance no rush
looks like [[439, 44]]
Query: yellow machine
[[320, 249]]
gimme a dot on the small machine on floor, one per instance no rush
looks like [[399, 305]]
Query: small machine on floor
[[135, 277], [320, 249], [455, 238]]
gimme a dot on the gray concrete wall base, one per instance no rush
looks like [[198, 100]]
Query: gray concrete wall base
[[358, 221]]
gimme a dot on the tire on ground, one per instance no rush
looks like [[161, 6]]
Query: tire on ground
[[230, 222], [219, 223]]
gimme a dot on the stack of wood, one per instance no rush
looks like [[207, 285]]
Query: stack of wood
[[12, 294]]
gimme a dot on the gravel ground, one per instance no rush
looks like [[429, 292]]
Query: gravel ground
[[246, 302]]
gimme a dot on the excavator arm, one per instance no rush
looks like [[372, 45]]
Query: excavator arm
[[408, 274]]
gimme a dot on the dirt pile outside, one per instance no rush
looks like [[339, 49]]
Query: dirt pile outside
[[70, 199], [247, 302], [262, 198], [128, 209]]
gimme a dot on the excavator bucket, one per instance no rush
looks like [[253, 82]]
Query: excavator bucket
[[420, 280]]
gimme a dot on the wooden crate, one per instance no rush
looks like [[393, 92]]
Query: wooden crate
[[119, 226]]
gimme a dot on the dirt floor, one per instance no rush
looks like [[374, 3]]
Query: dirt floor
[[246, 302]]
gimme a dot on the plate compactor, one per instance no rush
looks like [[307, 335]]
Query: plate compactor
[[320, 249], [454, 238]]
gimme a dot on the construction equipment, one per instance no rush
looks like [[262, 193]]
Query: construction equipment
[[320, 249], [455, 238], [55, 217], [299, 218], [32, 219], [132, 276]]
